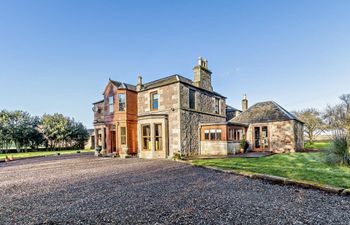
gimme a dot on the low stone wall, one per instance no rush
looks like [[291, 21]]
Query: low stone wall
[[233, 148], [214, 148], [219, 148]]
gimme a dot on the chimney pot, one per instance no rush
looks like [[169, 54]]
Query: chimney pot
[[244, 103], [139, 83]]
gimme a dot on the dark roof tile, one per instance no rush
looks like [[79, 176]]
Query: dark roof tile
[[263, 112], [121, 85]]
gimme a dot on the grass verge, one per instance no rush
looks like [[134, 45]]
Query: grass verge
[[40, 153], [297, 166], [318, 145]]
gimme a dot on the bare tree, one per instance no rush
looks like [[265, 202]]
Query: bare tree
[[314, 125], [337, 117], [338, 121], [345, 98]]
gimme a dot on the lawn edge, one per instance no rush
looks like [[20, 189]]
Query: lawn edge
[[277, 180], [42, 156]]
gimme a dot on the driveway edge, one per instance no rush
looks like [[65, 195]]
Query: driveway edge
[[278, 180]]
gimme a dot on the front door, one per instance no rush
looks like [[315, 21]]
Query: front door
[[261, 138], [257, 139], [113, 141]]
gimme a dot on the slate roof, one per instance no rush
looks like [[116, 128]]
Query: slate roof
[[166, 81], [90, 131], [232, 109], [170, 80], [121, 85], [98, 102], [263, 112]]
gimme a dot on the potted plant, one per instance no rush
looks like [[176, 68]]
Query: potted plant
[[242, 144]]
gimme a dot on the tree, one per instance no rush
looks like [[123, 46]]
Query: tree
[[345, 98], [34, 137], [313, 126], [19, 128], [335, 118], [79, 135], [346, 104], [338, 121], [53, 128], [23, 129], [5, 137], [61, 131]]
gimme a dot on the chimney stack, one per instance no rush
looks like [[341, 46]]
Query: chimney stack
[[244, 103], [139, 83], [202, 75]]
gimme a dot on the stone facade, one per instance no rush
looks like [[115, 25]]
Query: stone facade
[[190, 119], [165, 117], [283, 136], [169, 107], [183, 122]]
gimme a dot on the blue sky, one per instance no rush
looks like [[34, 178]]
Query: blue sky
[[57, 56]]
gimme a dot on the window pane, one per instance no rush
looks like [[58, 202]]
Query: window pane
[[212, 135], [216, 105], [158, 143], [257, 137], [121, 101], [146, 143], [146, 131], [122, 131], [158, 136], [192, 99], [123, 140], [218, 135], [206, 134], [111, 103], [154, 99], [158, 130], [232, 135], [265, 140], [146, 137], [123, 135]]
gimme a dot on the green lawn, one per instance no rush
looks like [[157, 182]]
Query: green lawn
[[298, 166], [40, 153], [317, 145]]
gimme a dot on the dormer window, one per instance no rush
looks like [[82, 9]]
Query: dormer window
[[154, 101], [111, 104]]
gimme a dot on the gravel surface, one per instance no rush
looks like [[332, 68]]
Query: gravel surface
[[89, 190]]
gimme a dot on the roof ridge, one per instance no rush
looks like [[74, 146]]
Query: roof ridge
[[124, 83], [265, 111], [160, 79]]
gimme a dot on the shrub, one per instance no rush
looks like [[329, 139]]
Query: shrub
[[339, 152], [177, 156], [244, 144]]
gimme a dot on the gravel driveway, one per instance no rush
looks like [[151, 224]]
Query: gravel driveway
[[89, 190]]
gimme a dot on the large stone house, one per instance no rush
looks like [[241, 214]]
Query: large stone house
[[173, 115]]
